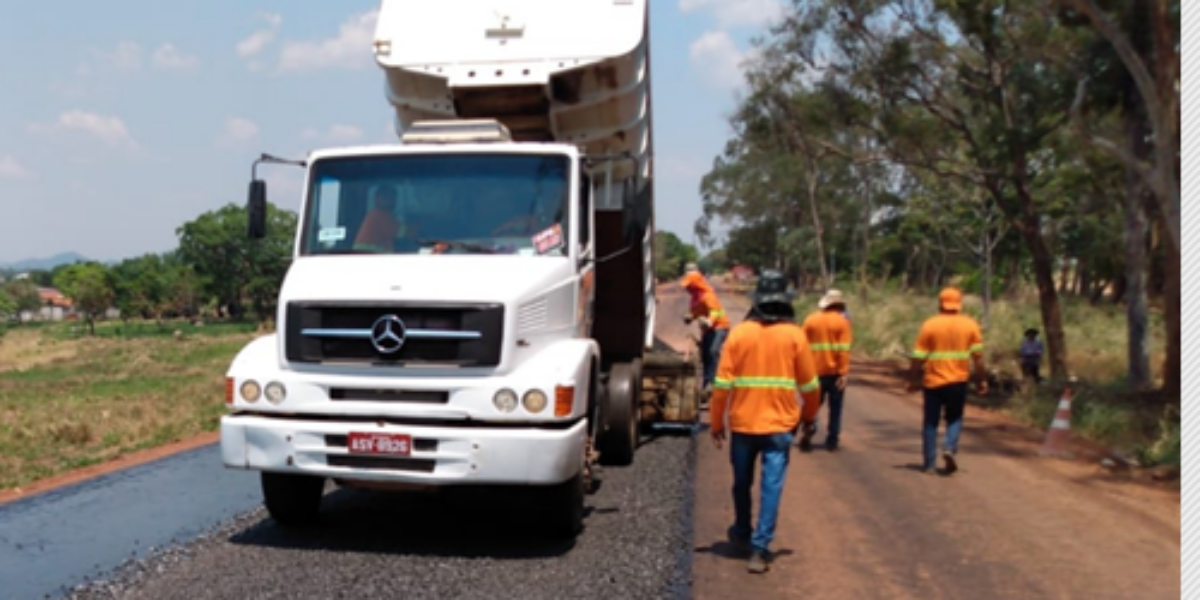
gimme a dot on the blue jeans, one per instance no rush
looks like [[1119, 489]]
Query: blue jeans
[[743, 453], [952, 399], [710, 352], [830, 391]]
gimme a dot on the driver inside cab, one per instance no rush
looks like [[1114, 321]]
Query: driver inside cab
[[380, 227], [547, 213]]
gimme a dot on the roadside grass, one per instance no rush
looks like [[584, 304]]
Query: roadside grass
[[66, 403], [1144, 426]]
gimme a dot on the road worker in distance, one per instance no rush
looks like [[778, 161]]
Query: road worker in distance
[[765, 365], [706, 309], [941, 367], [830, 336]]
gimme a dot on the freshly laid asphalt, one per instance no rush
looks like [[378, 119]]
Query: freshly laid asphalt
[[53, 541]]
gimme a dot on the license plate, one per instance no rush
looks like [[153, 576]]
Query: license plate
[[394, 444]]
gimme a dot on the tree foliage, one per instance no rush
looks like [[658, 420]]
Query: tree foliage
[[949, 141], [232, 268], [671, 254]]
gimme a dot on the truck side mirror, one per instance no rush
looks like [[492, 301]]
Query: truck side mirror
[[256, 209]]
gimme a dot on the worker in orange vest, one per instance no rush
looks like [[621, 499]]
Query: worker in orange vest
[[941, 366], [765, 364], [380, 227], [830, 335], [706, 309]]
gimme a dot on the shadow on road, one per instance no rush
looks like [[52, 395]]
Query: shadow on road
[[467, 523], [979, 439], [725, 549]]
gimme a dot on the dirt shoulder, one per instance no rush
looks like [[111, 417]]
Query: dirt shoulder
[[864, 522]]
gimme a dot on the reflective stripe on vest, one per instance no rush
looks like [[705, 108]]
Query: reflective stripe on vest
[[964, 355], [830, 347], [771, 383]]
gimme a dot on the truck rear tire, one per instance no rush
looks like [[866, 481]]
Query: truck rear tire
[[619, 439], [292, 499], [566, 513]]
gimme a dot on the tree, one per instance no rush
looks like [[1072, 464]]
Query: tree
[[231, 267], [671, 254], [24, 293], [88, 285], [1144, 37], [8, 305]]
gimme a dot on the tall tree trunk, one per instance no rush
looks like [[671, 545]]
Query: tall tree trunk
[[813, 179], [1136, 305], [986, 245], [1029, 224], [1172, 369], [1012, 283]]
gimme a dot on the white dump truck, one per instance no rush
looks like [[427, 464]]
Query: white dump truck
[[473, 305]]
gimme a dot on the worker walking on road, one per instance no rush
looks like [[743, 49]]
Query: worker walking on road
[[766, 361], [941, 367], [706, 309], [830, 335]]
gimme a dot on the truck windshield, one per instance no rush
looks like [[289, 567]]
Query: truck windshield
[[438, 204]]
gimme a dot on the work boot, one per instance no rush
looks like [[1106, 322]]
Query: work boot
[[759, 562], [741, 545], [806, 440], [951, 463]]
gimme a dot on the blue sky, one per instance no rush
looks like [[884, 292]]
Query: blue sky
[[121, 120]]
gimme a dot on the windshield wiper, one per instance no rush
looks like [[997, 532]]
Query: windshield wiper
[[468, 246]]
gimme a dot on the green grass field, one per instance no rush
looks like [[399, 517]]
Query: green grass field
[[68, 401]]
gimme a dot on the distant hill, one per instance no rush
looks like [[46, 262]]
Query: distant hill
[[36, 264]]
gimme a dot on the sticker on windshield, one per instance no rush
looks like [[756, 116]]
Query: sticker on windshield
[[332, 234], [548, 239]]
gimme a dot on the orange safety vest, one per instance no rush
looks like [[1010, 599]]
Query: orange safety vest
[[379, 229], [762, 368], [946, 343], [709, 306], [829, 336]]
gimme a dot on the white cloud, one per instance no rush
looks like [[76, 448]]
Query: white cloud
[[238, 130], [717, 60], [735, 13], [167, 56], [260, 39], [337, 134], [127, 56], [11, 169], [110, 130], [351, 49]]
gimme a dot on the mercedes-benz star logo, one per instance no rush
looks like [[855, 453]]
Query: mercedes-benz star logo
[[387, 334]]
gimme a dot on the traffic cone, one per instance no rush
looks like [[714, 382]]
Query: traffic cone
[[1060, 429]]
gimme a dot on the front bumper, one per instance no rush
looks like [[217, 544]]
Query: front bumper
[[441, 455]]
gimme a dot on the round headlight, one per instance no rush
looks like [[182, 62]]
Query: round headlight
[[250, 391], [275, 392], [534, 401], [505, 401]]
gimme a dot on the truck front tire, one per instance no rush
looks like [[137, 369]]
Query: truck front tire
[[292, 499]]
